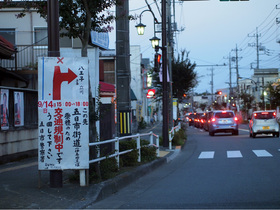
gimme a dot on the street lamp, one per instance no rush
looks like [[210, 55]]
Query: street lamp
[[155, 42], [264, 96], [140, 28]]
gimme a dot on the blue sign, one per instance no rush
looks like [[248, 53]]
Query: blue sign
[[100, 39]]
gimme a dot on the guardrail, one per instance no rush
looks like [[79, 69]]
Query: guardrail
[[171, 134], [117, 142], [117, 153]]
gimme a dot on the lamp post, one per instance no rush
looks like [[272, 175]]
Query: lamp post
[[264, 98], [141, 27]]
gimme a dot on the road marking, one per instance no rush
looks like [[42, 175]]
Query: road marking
[[19, 167], [262, 153], [206, 155], [234, 154]]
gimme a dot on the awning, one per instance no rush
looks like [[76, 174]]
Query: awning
[[6, 49], [106, 89]]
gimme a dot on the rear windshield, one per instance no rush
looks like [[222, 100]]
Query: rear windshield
[[264, 115], [224, 115]]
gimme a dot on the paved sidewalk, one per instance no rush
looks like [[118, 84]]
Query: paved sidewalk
[[19, 185]]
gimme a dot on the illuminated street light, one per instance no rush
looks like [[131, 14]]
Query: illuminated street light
[[155, 41], [140, 28]]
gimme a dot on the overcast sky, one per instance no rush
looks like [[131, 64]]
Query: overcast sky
[[211, 30]]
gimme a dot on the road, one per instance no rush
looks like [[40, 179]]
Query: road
[[222, 171]]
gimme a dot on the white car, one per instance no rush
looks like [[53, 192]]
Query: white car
[[264, 122]]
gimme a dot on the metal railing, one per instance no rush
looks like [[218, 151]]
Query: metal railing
[[117, 153], [117, 140], [25, 58], [171, 134]]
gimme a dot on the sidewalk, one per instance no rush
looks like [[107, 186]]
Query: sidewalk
[[19, 185]]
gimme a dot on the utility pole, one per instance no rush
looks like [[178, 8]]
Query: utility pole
[[230, 82], [257, 35], [164, 77], [56, 176], [237, 76], [212, 77], [123, 69], [212, 85]]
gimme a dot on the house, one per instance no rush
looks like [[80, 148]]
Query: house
[[24, 41]]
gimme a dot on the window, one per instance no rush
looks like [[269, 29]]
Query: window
[[264, 115], [9, 34], [224, 115], [40, 36]]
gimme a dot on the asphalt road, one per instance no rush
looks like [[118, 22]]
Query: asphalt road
[[223, 171]]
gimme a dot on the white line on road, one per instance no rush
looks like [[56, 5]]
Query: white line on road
[[206, 155], [234, 154], [262, 153]]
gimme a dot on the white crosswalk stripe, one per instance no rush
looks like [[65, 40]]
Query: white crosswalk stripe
[[234, 154], [206, 155], [262, 153]]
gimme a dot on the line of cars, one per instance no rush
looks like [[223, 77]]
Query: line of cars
[[218, 121], [225, 121]]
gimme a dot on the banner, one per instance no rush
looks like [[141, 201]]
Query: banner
[[63, 113], [4, 100], [19, 108]]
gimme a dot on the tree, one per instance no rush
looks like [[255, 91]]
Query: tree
[[183, 75], [77, 17], [246, 100], [273, 93]]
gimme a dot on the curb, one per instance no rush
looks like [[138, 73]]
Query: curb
[[109, 187]]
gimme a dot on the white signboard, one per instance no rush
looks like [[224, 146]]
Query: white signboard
[[63, 113]]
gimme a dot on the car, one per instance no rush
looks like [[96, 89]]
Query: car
[[197, 119], [263, 122], [223, 121], [191, 119], [208, 117]]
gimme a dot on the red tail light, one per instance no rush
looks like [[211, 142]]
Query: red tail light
[[235, 119], [213, 119], [274, 114]]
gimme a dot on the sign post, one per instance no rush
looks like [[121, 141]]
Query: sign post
[[63, 113]]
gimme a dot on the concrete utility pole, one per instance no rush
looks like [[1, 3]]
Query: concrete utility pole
[[212, 78], [123, 69], [237, 76], [56, 176], [164, 77], [257, 35]]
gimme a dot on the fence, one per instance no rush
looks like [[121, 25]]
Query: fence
[[117, 140], [26, 57], [117, 153], [171, 134]]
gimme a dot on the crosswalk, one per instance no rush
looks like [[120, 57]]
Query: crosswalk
[[236, 154]]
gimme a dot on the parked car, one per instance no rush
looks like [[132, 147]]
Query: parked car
[[223, 121], [197, 119], [208, 117], [191, 119], [263, 122]]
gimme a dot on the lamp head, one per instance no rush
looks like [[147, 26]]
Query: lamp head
[[140, 28], [155, 41]]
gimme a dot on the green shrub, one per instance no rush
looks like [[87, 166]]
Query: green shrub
[[131, 158], [148, 153], [179, 138], [108, 168]]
